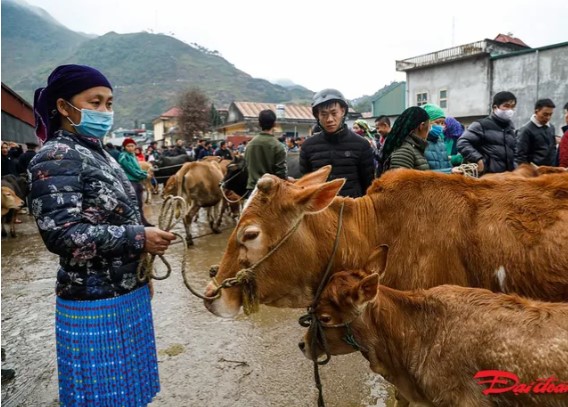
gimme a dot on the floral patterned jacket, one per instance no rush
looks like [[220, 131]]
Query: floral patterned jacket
[[87, 213]]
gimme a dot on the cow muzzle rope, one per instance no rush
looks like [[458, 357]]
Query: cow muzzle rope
[[247, 277]]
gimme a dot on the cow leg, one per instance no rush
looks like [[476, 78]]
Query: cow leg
[[187, 223], [148, 189], [217, 226], [4, 233], [13, 214]]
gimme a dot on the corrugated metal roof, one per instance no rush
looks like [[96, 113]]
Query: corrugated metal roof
[[291, 111]]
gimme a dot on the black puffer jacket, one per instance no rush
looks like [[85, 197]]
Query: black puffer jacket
[[535, 145], [350, 156], [87, 213], [491, 139]]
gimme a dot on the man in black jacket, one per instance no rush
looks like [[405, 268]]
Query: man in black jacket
[[350, 156], [536, 140], [490, 142]]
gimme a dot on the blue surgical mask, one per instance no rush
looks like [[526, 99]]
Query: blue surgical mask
[[93, 123], [436, 130]]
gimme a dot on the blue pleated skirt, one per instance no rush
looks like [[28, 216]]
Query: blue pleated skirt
[[106, 351]]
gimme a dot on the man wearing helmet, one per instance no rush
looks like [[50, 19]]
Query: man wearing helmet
[[350, 156]]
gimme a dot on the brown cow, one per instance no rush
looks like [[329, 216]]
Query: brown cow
[[505, 235], [11, 204], [526, 171], [198, 183], [433, 344], [147, 182]]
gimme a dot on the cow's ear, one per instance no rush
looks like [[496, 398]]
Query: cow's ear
[[265, 184], [318, 197], [377, 262], [367, 289], [316, 177]]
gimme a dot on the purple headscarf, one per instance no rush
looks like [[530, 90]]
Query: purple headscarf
[[453, 129], [64, 82]]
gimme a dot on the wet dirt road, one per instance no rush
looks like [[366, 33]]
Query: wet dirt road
[[203, 360]]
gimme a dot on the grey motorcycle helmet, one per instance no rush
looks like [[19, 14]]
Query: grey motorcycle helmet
[[328, 95]]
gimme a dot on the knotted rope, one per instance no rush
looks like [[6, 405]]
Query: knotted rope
[[469, 170], [173, 210]]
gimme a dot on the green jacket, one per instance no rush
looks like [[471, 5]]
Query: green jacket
[[264, 154], [410, 154], [131, 167]]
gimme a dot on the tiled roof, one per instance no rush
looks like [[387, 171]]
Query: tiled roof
[[173, 112], [510, 40], [291, 111]]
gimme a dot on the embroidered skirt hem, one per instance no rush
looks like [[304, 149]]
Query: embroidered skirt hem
[[106, 351]]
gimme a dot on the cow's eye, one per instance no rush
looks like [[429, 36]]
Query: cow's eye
[[250, 235], [326, 319]]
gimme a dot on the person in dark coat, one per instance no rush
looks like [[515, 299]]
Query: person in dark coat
[[536, 140], [490, 142], [87, 213], [350, 156], [25, 158], [8, 163]]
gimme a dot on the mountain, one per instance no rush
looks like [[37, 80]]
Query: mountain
[[148, 71]]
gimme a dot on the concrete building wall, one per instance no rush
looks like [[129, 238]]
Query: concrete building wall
[[466, 83], [391, 103], [531, 76]]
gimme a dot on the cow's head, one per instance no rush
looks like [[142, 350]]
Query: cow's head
[[273, 210], [10, 200], [342, 303], [236, 177], [170, 188]]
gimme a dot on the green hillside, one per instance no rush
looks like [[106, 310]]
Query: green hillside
[[148, 71]]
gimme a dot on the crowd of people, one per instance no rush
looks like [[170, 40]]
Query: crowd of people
[[88, 206]]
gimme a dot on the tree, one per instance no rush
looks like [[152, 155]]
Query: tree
[[194, 117], [214, 117]]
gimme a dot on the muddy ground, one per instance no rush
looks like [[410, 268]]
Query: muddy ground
[[203, 360]]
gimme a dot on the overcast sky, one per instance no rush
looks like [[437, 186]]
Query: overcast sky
[[349, 45]]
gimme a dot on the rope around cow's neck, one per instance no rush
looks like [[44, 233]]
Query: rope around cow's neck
[[247, 277], [313, 324]]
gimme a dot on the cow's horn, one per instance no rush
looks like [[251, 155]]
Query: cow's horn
[[265, 184]]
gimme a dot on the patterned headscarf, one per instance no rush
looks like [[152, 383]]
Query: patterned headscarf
[[64, 82], [454, 129], [363, 125], [408, 121]]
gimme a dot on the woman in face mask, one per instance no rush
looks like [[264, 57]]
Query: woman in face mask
[[436, 153], [87, 213]]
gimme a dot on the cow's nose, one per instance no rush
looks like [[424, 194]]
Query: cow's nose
[[302, 345]]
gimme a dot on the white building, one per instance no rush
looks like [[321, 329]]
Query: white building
[[462, 80]]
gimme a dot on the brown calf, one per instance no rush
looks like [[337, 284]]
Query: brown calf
[[432, 343], [147, 182], [11, 203]]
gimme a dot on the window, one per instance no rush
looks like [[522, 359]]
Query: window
[[444, 99], [421, 98]]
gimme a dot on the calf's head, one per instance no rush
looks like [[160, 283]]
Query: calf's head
[[10, 200], [341, 304], [275, 209]]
